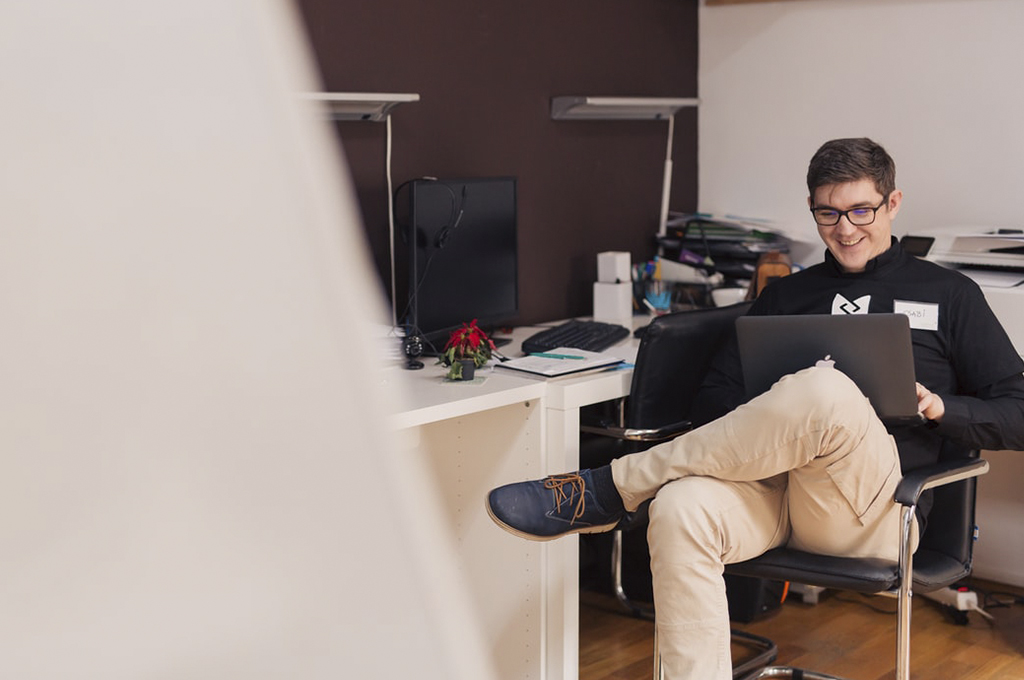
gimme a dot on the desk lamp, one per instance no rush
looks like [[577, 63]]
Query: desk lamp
[[628, 108], [375, 107]]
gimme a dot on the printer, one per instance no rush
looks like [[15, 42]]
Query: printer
[[994, 259], [1002, 249]]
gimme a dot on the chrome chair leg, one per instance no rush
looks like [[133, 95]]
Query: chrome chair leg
[[659, 671], [769, 672], [767, 652], [788, 672], [904, 595], [620, 592]]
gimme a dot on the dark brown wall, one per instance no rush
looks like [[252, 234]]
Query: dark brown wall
[[486, 72]]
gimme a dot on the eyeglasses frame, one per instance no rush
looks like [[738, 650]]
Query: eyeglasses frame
[[840, 214]]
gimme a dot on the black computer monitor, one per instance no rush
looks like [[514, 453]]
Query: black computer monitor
[[463, 261]]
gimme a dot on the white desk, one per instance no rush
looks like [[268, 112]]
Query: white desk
[[478, 436]]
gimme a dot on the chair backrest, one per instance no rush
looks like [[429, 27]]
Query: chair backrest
[[672, 360], [947, 544]]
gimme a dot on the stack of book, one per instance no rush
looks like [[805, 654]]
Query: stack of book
[[732, 244]]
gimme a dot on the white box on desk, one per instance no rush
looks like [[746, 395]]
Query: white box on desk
[[613, 302], [613, 267]]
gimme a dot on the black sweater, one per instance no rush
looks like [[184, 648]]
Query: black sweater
[[968, 360]]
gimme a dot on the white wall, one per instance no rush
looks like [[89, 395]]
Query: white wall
[[939, 83]]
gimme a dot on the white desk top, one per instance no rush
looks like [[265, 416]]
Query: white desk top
[[429, 398]]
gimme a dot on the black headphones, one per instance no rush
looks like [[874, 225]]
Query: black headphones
[[450, 225], [454, 217]]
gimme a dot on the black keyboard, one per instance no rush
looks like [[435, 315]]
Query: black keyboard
[[594, 336]]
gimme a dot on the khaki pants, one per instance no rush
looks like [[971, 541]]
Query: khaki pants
[[806, 464]]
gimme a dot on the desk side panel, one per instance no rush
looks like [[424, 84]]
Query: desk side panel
[[505, 575]]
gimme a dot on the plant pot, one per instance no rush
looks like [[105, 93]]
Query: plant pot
[[468, 369]]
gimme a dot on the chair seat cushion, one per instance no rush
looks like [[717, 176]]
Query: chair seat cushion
[[786, 564], [932, 570]]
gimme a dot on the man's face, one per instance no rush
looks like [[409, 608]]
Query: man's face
[[853, 245]]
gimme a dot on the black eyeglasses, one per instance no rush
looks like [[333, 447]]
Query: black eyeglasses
[[858, 217]]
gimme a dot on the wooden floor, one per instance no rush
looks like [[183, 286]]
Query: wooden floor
[[845, 634]]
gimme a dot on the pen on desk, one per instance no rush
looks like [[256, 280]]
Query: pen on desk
[[549, 355]]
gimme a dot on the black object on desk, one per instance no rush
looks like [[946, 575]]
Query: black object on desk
[[412, 347], [595, 336]]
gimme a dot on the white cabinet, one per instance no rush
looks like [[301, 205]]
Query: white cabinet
[[999, 552]]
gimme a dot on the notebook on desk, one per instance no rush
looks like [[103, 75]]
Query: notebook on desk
[[873, 349], [560, 362]]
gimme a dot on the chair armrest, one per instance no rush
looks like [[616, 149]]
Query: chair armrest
[[939, 474], [633, 434]]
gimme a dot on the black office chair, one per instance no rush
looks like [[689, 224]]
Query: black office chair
[[674, 355], [671, 362]]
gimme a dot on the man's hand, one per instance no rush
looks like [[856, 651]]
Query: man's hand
[[929, 404]]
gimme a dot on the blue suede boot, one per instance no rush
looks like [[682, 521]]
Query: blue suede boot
[[555, 506]]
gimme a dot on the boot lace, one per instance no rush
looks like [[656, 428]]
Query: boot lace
[[575, 484]]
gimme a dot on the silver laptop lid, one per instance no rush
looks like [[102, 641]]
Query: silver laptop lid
[[873, 349]]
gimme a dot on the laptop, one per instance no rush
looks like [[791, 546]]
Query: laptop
[[873, 349]]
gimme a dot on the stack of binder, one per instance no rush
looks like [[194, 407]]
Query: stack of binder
[[732, 244]]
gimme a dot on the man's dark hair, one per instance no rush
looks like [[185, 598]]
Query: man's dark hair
[[851, 160]]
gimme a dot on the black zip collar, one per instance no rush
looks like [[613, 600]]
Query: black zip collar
[[875, 266]]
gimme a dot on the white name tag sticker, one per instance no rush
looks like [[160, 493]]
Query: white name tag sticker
[[923, 316]]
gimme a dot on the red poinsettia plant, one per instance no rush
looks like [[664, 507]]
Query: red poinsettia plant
[[467, 342]]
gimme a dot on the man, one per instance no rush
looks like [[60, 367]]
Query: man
[[808, 463]]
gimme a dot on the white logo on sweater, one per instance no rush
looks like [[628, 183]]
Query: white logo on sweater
[[840, 305]]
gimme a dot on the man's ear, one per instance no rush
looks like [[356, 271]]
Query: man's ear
[[895, 200]]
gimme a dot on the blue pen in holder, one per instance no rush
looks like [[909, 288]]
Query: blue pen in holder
[[658, 294]]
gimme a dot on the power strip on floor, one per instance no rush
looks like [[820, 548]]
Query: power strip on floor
[[960, 599]]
